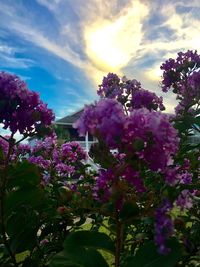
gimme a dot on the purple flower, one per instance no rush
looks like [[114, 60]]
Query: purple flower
[[158, 138], [21, 109], [164, 227], [110, 87], [183, 76], [185, 199], [129, 93], [105, 120], [64, 170], [146, 99], [73, 151], [40, 161], [134, 179], [102, 188]]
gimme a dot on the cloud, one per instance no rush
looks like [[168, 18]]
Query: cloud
[[51, 5], [5, 49], [111, 43], [128, 37]]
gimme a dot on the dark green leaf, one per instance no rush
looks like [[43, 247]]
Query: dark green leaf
[[147, 256], [23, 174], [81, 247], [89, 239], [129, 210]]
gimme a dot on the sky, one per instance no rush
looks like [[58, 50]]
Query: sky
[[63, 48]]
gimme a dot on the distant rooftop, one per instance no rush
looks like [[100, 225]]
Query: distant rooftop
[[70, 119]]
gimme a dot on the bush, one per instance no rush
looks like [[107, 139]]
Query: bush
[[145, 196]]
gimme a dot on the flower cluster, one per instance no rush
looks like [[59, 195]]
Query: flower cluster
[[103, 120], [129, 93], [56, 161], [113, 182], [183, 76], [164, 226], [102, 188], [185, 200], [21, 109], [144, 98], [110, 87], [178, 174], [151, 137], [147, 137]]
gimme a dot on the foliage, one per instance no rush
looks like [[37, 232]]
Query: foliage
[[145, 195]]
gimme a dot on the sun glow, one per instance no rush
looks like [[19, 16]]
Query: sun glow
[[110, 44]]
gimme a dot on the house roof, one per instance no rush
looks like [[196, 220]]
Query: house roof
[[70, 119]]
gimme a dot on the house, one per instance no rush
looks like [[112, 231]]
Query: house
[[66, 126]]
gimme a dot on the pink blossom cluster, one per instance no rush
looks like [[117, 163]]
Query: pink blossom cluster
[[104, 120], [182, 75], [56, 161], [21, 109], [107, 121], [164, 226], [129, 93]]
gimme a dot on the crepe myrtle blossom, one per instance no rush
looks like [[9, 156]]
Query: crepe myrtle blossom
[[146, 99], [110, 87], [176, 70], [182, 75], [178, 174], [104, 119], [185, 200], [21, 109], [156, 136], [107, 181], [63, 159], [104, 181], [129, 93], [164, 226]]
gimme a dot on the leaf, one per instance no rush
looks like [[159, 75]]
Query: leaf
[[83, 258], [22, 228], [33, 197], [81, 247], [90, 239], [129, 210], [138, 144], [23, 173], [197, 120], [24, 188], [147, 256]]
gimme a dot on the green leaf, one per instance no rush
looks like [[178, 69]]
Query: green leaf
[[82, 258], [129, 210], [61, 261], [23, 174], [24, 189], [81, 247], [33, 197], [22, 228], [138, 144], [147, 256], [90, 239], [197, 121]]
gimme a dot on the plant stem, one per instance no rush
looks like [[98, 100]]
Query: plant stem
[[118, 244]]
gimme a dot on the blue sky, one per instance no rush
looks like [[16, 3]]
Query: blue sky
[[62, 48]]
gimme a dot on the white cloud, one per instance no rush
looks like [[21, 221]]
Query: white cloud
[[7, 61], [112, 35], [6, 49], [110, 44]]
